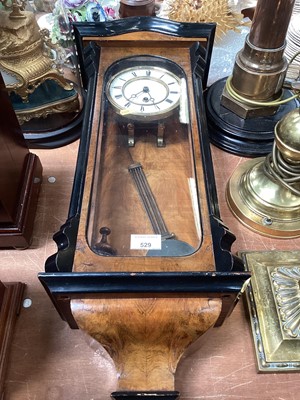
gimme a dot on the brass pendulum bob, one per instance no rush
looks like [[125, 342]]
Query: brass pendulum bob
[[264, 193]]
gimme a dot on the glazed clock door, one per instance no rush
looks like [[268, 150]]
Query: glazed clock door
[[143, 196]]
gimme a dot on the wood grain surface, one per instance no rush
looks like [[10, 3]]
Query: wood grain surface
[[49, 361], [146, 336]]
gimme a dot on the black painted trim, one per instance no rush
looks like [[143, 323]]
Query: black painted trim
[[91, 63], [65, 238], [158, 395], [150, 24], [138, 24], [143, 282]]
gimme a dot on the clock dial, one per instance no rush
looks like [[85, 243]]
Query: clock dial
[[144, 91]]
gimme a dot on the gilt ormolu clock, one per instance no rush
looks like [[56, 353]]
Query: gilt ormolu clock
[[144, 262]]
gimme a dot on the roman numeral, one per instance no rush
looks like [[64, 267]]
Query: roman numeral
[[169, 101], [117, 87], [148, 73], [134, 73], [142, 108], [171, 83], [118, 96], [174, 92], [127, 104]]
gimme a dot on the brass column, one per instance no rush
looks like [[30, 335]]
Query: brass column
[[260, 67]]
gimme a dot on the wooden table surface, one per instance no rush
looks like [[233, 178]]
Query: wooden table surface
[[49, 361]]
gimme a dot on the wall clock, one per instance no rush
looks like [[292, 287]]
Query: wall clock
[[144, 262]]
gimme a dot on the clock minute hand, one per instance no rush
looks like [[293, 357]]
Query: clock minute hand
[[135, 95]]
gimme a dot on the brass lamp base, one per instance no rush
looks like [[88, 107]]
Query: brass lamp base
[[251, 137], [261, 204], [244, 110]]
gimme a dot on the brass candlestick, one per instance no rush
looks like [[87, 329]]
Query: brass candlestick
[[264, 193]]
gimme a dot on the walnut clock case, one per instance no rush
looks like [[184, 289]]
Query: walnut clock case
[[143, 262]]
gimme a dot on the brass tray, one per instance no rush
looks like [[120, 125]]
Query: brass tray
[[273, 299]]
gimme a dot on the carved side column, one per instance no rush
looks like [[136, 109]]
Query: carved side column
[[146, 336]]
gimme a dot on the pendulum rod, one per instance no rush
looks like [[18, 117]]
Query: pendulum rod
[[149, 202]]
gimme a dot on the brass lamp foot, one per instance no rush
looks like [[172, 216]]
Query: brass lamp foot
[[262, 205], [264, 194]]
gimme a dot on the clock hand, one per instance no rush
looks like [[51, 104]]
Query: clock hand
[[133, 96], [149, 98], [144, 90]]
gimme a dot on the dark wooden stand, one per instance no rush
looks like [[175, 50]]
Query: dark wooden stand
[[20, 179], [10, 301]]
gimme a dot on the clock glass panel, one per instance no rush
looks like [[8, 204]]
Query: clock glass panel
[[144, 197]]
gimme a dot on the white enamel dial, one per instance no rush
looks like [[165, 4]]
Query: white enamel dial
[[144, 91]]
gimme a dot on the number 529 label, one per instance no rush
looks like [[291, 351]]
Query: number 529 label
[[145, 242]]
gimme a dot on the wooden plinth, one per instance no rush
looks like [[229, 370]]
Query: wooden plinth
[[10, 301], [18, 233]]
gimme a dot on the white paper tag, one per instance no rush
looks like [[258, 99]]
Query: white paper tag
[[145, 242]]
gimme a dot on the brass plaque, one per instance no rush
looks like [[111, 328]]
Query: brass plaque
[[273, 298]]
